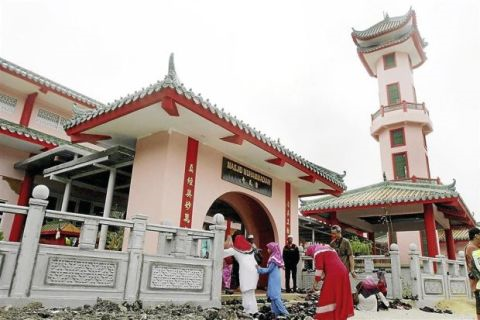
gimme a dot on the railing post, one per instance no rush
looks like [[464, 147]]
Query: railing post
[[300, 266], [463, 271], [443, 271], [217, 255], [181, 242], [135, 257], [88, 234], [382, 110], [396, 272], [404, 106], [415, 273], [164, 244], [27, 254]]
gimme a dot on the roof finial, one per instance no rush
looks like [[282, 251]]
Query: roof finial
[[171, 67], [451, 186], [384, 176], [343, 175], [385, 15]]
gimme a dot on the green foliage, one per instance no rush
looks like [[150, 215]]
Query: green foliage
[[114, 240], [1, 236], [360, 247]]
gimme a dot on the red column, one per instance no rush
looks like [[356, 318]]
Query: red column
[[430, 230], [333, 219], [27, 109], [371, 237], [189, 184], [19, 219], [450, 244], [287, 209]]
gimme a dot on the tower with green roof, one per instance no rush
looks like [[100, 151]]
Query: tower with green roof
[[390, 50]]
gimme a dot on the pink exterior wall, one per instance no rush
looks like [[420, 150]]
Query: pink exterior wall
[[402, 74], [414, 146], [459, 246], [37, 125], [157, 180], [8, 157], [14, 116]]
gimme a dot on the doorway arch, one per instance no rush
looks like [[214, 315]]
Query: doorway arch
[[252, 215]]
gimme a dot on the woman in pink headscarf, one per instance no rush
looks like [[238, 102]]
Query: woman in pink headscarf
[[335, 301], [274, 291]]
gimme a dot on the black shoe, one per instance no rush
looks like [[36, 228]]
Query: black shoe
[[288, 291]]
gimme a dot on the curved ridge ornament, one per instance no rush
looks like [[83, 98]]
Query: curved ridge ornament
[[451, 186]]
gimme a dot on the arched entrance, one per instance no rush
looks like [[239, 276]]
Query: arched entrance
[[250, 216]]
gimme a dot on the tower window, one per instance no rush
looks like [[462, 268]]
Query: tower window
[[389, 61], [393, 93], [397, 137], [400, 165]]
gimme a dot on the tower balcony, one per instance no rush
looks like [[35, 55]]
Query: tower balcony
[[403, 112]]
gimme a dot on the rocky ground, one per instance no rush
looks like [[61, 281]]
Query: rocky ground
[[231, 310]]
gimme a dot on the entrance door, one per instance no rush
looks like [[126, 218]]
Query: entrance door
[[250, 217]]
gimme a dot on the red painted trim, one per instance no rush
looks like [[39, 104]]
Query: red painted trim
[[186, 214], [430, 230], [416, 42], [86, 137], [229, 228], [200, 110], [308, 178], [117, 113], [395, 176], [27, 109], [23, 197], [397, 84], [235, 139], [44, 89], [22, 137], [450, 244], [411, 14], [403, 203], [392, 141], [331, 192], [333, 219], [276, 161], [385, 67], [170, 107], [288, 205], [236, 130]]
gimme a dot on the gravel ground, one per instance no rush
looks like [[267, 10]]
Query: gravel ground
[[231, 310]]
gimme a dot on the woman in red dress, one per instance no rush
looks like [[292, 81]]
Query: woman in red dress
[[335, 301]]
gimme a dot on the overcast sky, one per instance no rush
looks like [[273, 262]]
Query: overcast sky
[[288, 68]]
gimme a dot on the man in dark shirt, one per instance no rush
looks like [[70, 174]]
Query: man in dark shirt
[[291, 256], [343, 248]]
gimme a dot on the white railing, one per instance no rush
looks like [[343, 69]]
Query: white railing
[[430, 279], [69, 276]]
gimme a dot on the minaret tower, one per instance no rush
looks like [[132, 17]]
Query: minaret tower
[[390, 50]]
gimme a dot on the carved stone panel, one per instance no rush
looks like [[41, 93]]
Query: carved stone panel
[[458, 287], [81, 272], [176, 277], [433, 286]]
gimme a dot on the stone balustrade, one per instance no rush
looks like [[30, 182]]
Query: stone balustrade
[[429, 279], [72, 276]]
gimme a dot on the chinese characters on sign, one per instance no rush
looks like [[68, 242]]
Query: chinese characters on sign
[[287, 209], [236, 173], [189, 184]]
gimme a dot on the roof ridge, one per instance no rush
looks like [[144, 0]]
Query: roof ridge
[[44, 81], [171, 81]]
